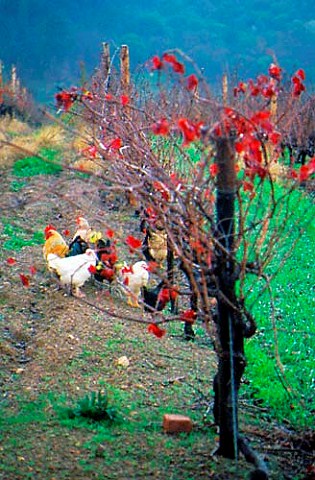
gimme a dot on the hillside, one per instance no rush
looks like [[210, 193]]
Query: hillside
[[239, 37], [57, 349]]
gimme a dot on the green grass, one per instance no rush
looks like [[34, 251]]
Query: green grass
[[15, 238], [48, 164], [286, 387]]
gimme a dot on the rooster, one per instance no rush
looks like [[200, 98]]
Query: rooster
[[54, 243], [73, 272], [158, 297], [134, 278]]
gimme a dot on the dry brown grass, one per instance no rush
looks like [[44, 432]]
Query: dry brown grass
[[19, 140]]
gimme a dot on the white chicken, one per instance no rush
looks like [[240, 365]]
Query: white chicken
[[73, 272], [134, 278]]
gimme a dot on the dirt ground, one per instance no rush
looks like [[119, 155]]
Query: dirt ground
[[45, 334]]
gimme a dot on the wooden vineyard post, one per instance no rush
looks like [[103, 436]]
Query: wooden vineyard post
[[225, 89], [106, 59], [124, 69], [231, 341], [14, 82]]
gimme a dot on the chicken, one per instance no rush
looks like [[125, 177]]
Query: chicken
[[77, 247], [54, 243], [73, 272], [134, 278], [107, 259], [158, 297], [154, 245], [85, 231]]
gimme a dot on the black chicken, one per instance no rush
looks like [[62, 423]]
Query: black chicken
[[157, 298], [77, 247]]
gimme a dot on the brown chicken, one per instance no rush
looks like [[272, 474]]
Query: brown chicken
[[54, 243]]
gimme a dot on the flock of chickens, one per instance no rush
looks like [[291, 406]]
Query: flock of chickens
[[88, 254]]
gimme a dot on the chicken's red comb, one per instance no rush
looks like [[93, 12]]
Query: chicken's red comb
[[49, 227]]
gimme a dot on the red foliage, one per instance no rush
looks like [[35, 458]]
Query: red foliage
[[161, 127], [11, 261], [188, 316], [191, 82], [115, 144], [33, 270], [160, 187], [109, 233], [157, 63], [275, 72], [124, 100], [298, 87], [133, 242], [190, 131], [25, 280], [214, 169], [156, 330]]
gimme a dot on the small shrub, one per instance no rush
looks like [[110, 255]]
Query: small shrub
[[93, 406]]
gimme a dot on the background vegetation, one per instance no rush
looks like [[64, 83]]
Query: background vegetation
[[48, 43]]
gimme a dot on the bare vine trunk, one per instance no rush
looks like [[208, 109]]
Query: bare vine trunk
[[230, 335]]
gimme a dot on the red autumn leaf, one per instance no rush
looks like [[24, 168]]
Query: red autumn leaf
[[189, 316], [157, 63], [115, 144], [133, 242], [248, 186], [162, 189], [173, 294], [156, 330], [298, 86], [25, 280], [177, 66], [152, 266], [33, 270], [300, 74], [214, 169], [124, 100], [275, 71], [307, 170], [110, 233], [92, 269], [192, 82], [11, 261], [275, 137], [164, 295], [161, 127], [189, 131], [169, 57], [107, 273]]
